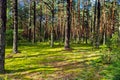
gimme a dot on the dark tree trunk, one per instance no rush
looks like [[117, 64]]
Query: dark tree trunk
[[2, 34], [34, 22], [87, 23], [15, 31], [94, 24], [68, 27], [59, 23], [29, 31], [30, 35], [98, 25], [83, 20], [63, 33]]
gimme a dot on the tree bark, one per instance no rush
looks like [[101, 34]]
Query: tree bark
[[104, 22], [87, 23], [68, 27], [83, 20], [52, 30], [40, 34], [46, 23], [98, 25], [2, 34], [79, 24], [15, 31], [34, 22], [94, 24], [29, 31]]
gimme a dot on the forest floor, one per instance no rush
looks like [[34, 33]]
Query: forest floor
[[40, 62]]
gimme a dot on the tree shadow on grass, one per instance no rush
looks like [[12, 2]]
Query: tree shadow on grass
[[81, 45], [84, 50], [40, 54], [31, 70], [22, 73], [19, 70]]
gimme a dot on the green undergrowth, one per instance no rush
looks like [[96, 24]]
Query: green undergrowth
[[111, 61], [41, 62]]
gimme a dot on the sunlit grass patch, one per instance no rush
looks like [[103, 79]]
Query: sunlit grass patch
[[40, 61]]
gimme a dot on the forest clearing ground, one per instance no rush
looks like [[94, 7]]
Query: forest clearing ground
[[40, 62]]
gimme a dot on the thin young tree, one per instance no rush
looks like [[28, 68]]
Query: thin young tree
[[29, 31], [2, 34], [34, 21]]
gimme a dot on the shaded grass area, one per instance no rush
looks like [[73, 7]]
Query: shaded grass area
[[40, 62]]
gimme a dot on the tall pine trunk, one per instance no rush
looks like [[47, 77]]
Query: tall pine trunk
[[104, 26], [94, 24], [83, 20], [52, 30], [98, 25], [79, 24], [68, 27], [46, 23], [29, 32], [87, 23], [15, 31], [34, 21], [2, 34], [40, 28]]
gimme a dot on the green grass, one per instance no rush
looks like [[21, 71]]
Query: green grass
[[40, 62]]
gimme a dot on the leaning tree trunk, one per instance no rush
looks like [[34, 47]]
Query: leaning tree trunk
[[15, 31], [2, 34], [68, 27]]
